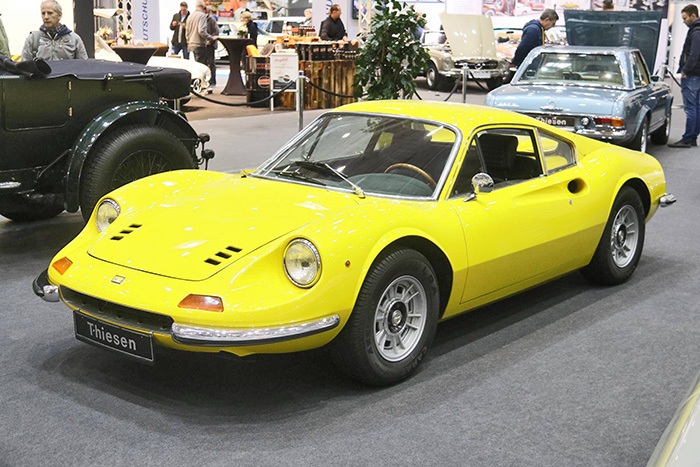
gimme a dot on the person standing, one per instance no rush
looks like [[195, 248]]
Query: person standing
[[196, 33], [178, 26], [251, 26], [4, 42], [533, 34], [689, 67], [53, 40], [332, 28], [213, 33]]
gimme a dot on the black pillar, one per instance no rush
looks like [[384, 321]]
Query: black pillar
[[85, 24]]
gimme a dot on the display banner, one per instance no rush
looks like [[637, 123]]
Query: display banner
[[145, 20], [284, 67]]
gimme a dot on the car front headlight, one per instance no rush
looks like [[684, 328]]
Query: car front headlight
[[302, 263], [107, 212]]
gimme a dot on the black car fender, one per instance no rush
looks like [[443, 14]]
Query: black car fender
[[138, 112]]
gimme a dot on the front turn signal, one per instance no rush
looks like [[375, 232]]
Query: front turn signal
[[202, 302], [62, 265]]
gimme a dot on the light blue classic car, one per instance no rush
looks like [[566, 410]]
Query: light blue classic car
[[606, 94]]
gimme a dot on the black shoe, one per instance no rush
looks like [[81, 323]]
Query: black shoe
[[682, 144]]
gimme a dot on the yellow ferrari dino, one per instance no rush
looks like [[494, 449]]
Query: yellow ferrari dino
[[374, 223]]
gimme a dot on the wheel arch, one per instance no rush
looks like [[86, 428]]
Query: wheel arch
[[141, 112], [642, 190], [435, 256]]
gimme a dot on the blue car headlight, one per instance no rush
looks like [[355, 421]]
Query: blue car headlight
[[107, 212], [302, 263]]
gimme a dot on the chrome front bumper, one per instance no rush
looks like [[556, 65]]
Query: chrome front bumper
[[225, 337], [44, 289]]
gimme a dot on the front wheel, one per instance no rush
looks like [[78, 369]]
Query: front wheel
[[621, 245], [493, 83], [433, 78], [393, 321]]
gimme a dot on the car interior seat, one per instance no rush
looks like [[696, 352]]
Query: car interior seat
[[498, 152]]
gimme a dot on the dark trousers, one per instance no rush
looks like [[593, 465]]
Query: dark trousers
[[181, 47], [211, 62]]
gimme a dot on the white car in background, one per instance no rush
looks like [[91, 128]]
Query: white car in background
[[201, 75]]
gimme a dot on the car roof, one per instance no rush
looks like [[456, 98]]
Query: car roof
[[464, 116], [587, 49]]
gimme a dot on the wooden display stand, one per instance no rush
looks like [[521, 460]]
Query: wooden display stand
[[333, 75]]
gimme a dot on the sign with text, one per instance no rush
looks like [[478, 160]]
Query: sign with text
[[284, 69], [145, 20]]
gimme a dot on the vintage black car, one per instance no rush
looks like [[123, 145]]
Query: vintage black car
[[73, 130]]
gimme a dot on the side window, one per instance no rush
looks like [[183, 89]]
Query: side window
[[557, 154], [508, 155], [641, 77]]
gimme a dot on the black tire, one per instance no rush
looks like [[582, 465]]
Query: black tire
[[622, 242], [384, 295], [493, 83], [639, 142], [126, 155], [433, 78], [29, 209], [661, 134]]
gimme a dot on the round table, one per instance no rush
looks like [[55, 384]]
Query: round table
[[135, 54], [234, 46]]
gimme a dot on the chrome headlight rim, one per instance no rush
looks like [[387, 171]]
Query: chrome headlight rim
[[314, 254], [102, 222]]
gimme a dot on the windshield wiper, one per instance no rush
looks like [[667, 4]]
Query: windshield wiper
[[297, 176], [330, 169]]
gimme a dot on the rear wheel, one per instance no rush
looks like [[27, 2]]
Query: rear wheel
[[621, 245], [660, 136], [393, 321], [639, 142], [126, 155]]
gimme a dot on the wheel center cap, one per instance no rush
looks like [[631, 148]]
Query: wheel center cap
[[396, 317], [621, 236]]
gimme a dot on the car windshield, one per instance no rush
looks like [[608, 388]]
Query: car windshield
[[574, 68], [367, 154], [431, 38]]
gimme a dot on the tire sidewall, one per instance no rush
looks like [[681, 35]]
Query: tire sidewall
[[617, 275], [397, 264]]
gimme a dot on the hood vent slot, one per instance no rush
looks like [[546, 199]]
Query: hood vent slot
[[220, 256], [125, 232]]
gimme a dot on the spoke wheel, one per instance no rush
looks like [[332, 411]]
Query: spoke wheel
[[393, 321], [620, 247], [400, 318], [623, 236]]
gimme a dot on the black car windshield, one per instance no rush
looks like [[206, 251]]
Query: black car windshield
[[367, 154], [574, 68]]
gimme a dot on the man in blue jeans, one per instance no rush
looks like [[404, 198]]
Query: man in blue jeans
[[690, 78]]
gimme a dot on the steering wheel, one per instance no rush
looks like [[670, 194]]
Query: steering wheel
[[412, 168]]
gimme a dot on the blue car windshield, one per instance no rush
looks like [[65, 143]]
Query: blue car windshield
[[574, 68], [368, 154]]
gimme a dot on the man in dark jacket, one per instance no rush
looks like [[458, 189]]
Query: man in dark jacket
[[689, 68], [178, 25], [533, 34], [332, 28]]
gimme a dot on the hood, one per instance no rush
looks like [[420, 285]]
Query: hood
[[570, 100], [638, 29], [211, 224], [470, 36]]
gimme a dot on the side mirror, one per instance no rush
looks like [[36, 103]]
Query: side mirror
[[481, 183]]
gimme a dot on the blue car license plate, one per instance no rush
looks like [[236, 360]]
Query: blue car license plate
[[135, 344]]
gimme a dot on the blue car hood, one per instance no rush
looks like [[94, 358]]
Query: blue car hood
[[573, 100]]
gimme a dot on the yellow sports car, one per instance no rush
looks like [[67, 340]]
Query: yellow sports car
[[374, 223]]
